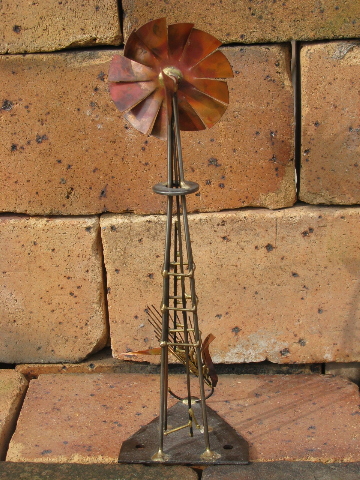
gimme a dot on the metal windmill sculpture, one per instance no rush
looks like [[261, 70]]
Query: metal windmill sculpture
[[171, 78]]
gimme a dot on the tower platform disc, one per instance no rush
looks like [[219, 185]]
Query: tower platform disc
[[227, 446]]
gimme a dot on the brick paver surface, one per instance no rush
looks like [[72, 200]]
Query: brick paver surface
[[84, 418]]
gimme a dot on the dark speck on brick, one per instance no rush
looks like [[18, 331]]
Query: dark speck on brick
[[221, 185], [14, 147], [214, 161], [88, 229], [103, 192], [113, 228], [236, 330], [41, 138], [269, 247], [294, 274], [284, 352], [17, 28], [7, 105], [101, 76]]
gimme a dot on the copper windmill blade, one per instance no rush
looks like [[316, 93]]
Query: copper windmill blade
[[127, 95], [136, 50], [141, 80], [143, 115], [199, 45], [215, 65], [216, 89], [178, 35], [122, 69], [154, 36], [189, 120], [209, 110]]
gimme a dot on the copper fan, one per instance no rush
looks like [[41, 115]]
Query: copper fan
[[140, 81]]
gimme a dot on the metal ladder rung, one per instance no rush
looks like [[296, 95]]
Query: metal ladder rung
[[180, 330], [177, 274], [179, 297], [179, 344], [177, 309]]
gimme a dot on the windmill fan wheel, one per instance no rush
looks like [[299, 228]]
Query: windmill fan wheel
[[154, 53]]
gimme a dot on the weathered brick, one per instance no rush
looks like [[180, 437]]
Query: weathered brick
[[330, 79], [85, 418], [52, 307], [13, 386], [254, 21], [48, 25], [67, 149], [280, 285]]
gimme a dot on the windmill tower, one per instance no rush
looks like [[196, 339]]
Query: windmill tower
[[171, 78]]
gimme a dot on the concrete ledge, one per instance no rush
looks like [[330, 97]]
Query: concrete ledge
[[37, 471], [285, 471]]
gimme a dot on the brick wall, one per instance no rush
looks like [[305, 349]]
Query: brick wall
[[278, 263]]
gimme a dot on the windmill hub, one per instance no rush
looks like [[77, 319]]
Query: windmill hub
[[173, 72]]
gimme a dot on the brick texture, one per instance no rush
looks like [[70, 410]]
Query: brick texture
[[52, 295], [85, 418], [253, 21], [330, 157], [281, 285], [48, 25], [67, 150], [13, 386]]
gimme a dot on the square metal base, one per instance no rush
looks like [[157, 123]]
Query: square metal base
[[227, 446]]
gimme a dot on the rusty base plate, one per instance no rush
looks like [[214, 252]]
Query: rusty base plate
[[226, 444]]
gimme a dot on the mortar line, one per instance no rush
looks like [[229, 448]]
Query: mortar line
[[296, 74]]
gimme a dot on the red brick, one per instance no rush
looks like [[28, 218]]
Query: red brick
[[13, 386], [280, 285], [85, 418], [330, 157], [67, 149], [252, 22], [48, 25], [52, 307]]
